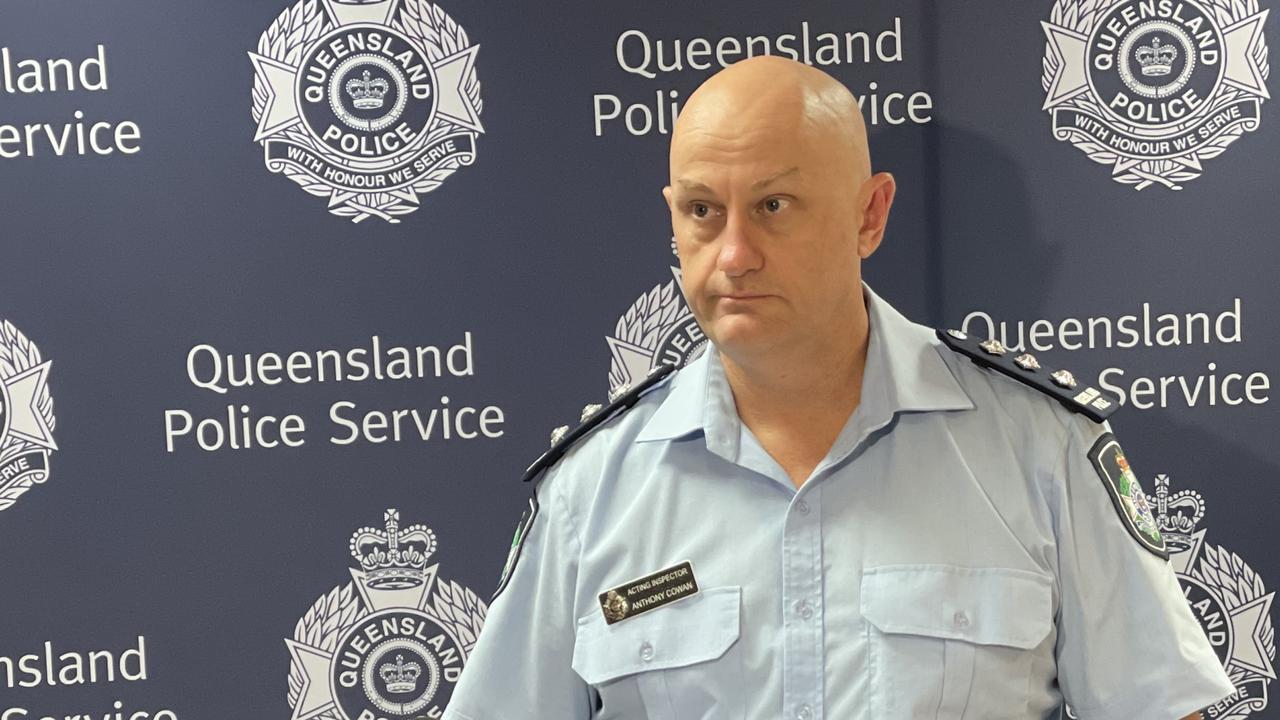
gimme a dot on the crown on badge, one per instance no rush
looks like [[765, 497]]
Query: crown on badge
[[1156, 59], [394, 558], [367, 92], [1177, 514], [401, 677]]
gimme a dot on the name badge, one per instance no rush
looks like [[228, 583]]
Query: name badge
[[651, 591]]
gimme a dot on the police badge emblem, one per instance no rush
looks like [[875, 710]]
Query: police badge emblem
[[615, 607], [657, 329], [367, 104], [1154, 87], [26, 416], [392, 643], [1226, 596]]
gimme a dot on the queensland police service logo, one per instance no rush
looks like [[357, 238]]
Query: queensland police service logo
[[367, 104], [26, 416], [392, 643], [1227, 597], [1154, 87], [658, 328]]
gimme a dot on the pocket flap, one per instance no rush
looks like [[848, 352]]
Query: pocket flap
[[693, 630], [988, 606]]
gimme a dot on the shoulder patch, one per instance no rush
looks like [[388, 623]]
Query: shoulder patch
[[1060, 385], [517, 543], [1126, 494], [593, 416]]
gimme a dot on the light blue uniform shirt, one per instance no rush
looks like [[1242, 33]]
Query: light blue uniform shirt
[[955, 555]]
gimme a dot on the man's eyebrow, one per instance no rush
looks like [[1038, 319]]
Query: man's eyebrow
[[694, 186], [759, 184]]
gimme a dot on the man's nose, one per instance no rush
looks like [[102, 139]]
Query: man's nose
[[738, 252]]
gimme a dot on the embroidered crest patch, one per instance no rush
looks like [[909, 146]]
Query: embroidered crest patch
[[1131, 503], [517, 542]]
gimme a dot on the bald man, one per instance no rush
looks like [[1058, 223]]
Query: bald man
[[833, 512]]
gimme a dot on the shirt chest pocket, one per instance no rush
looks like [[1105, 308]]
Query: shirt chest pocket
[[949, 642], [676, 662]]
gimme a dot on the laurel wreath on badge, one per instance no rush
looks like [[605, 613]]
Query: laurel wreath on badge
[[288, 39], [320, 628], [453, 607], [18, 355], [1080, 16], [1239, 585], [644, 324]]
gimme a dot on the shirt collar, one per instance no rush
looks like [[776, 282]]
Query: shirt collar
[[684, 409], [904, 373]]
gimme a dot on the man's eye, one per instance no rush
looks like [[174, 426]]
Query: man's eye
[[774, 205], [700, 210]]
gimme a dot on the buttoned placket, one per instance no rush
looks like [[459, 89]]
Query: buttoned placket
[[802, 580], [802, 597], [802, 606]]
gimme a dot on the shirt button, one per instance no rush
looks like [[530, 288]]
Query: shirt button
[[646, 651], [803, 507], [804, 609], [804, 712], [960, 620]]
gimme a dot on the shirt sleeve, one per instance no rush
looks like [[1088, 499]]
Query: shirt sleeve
[[1128, 645], [520, 666]]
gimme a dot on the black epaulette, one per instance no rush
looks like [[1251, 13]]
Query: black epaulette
[[593, 416], [1060, 385]]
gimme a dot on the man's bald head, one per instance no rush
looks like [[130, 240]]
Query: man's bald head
[[786, 96], [773, 207]]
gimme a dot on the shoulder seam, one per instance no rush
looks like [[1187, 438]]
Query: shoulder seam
[[574, 531]]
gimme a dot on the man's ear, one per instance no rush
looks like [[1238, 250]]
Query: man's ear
[[877, 197], [666, 193]]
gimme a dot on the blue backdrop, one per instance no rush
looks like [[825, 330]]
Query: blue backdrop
[[273, 270]]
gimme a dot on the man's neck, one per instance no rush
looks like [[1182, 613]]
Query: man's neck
[[797, 401]]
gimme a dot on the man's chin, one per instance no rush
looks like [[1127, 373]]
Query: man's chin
[[740, 335]]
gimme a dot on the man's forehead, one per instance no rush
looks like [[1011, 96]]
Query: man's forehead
[[698, 182], [750, 152]]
